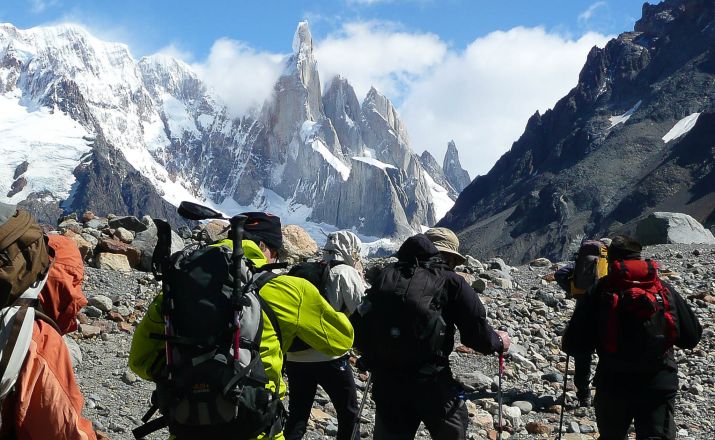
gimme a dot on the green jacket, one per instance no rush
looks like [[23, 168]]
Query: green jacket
[[300, 311]]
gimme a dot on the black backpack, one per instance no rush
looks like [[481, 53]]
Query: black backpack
[[399, 325], [318, 273], [209, 388]]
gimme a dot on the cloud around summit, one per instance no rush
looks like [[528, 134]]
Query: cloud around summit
[[480, 96]]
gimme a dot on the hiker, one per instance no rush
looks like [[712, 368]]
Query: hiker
[[307, 368], [40, 279], [293, 304], [633, 319], [421, 295], [590, 264]]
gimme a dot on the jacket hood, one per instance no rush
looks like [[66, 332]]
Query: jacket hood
[[418, 247], [343, 246], [61, 299], [250, 250]]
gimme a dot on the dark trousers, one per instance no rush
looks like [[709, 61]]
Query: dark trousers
[[336, 378], [582, 367], [651, 413], [400, 406], [582, 374]]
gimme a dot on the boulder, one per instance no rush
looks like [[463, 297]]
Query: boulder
[[672, 228], [297, 245], [474, 264], [216, 230], [540, 262], [102, 302], [97, 223], [113, 246], [124, 235], [128, 222], [479, 285], [107, 261], [70, 225], [145, 242], [536, 427], [85, 247]]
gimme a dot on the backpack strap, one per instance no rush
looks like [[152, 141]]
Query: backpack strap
[[160, 257], [19, 319], [151, 426], [261, 280]]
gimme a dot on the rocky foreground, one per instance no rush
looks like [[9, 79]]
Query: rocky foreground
[[522, 298]]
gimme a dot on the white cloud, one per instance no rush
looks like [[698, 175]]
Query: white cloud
[[39, 6], [483, 96], [588, 13], [242, 77], [174, 51], [378, 54]]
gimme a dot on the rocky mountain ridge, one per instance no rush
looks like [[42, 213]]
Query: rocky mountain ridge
[[633, 137], [149, 134]]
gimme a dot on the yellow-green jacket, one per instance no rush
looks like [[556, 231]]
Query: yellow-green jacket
[[300, 311]]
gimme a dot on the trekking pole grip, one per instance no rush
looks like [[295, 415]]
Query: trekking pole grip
[[237, 222]]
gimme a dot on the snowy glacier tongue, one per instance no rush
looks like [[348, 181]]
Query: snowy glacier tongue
[[49, 141]]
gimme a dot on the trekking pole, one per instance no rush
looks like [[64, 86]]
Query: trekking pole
[[563, 397], [499, 390], [499, 393], [362, 406]]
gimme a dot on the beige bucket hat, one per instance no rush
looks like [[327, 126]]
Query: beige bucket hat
[[445, 241]]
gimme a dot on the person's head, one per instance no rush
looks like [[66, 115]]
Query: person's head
[[265, 230], [447, 244], [623, 247], [342, 246]]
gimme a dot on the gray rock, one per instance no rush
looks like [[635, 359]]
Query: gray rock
[[74, 350], [553, 377], [97, 223], [101, 302], [146, 240], [477, 379], [524, 406], [474, 263], [128, 377], [92, 312], [498, 264], [672, 227], [91, 239], [128, 222], [540, 262], [124, 235], [479, 285]]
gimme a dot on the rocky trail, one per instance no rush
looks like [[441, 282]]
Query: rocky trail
[[534, 310]]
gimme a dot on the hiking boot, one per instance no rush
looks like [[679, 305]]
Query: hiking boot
[[584, 400]]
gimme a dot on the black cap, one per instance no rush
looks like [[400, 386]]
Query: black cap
[[418, 247], [261, 226]]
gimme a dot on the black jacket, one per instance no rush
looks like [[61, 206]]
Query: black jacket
[[582, 332], [462, 307]]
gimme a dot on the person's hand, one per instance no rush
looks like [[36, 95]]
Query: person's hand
[[101, 435], [504, 339]]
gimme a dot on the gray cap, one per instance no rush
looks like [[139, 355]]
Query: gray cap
[[6, 211]]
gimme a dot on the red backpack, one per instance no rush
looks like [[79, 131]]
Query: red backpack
[[638, 324]]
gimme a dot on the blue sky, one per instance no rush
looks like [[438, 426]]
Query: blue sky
[[468, 70]]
